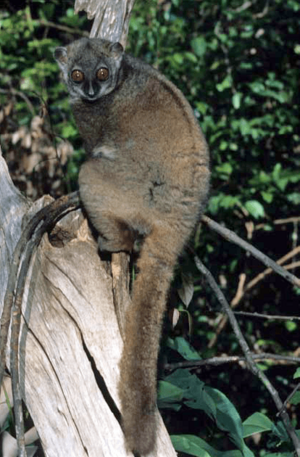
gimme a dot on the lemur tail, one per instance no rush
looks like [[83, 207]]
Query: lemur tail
[[143, 324]]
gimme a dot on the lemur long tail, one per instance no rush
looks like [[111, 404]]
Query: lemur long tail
[[142, 335]]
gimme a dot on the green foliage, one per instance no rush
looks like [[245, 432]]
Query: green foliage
[[216, 405], [182, 388], [27, 65]]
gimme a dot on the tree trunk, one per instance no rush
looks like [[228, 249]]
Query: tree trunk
[[70, 337]]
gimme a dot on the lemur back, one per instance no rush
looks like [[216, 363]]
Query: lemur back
[[147, 174]]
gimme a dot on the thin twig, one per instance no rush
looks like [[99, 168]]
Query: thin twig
[[268, 271], [240, 290], [267, 316], [291, 395], [292, 266], [243, 7], [63, 28], [289, 220], [21, 95], [248, 356], [216, 361], [264, 11]]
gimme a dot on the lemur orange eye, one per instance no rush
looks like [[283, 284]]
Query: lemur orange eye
[[77, 76], [102, 74]]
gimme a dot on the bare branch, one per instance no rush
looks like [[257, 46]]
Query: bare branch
[[216, 361], [268, 271], [267, 316], [288, 220]]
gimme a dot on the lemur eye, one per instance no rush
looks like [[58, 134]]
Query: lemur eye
[[77, 76], [102, 74]]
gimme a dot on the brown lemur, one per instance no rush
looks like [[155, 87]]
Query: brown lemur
[[147, 174]]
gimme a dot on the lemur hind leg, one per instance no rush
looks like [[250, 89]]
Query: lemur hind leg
[[114, 213]]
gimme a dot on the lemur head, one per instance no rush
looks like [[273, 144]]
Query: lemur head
[[90, 67]]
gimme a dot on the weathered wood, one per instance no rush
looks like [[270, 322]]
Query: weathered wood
[[12, 209], [70, 334], [111, 18]]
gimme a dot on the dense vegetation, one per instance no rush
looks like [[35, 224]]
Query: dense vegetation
[[239, 66]]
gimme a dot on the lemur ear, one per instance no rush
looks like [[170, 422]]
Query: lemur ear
[[116, 50], [61, 56]]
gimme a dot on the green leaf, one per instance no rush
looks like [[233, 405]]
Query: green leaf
[[199, 46], [68, 131], [225, 168], [195, 394], [245, 127], [256, 423], [169, 396], [294, 198], [283, 177], [229, 201], [260, 178], [257, 87], [178, 58], [222, 201], [280, 431], [297, 374], [276, 171], [189, 445], [267, 196], [290, 326], [228, 419], [182, 346], [295, 400], [202, 107], [193, 445], [255, 208], [191, 57], [236, 100], [225, 84], [190, 383]]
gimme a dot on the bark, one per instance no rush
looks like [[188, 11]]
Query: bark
[[70, 336], [110, 18]]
